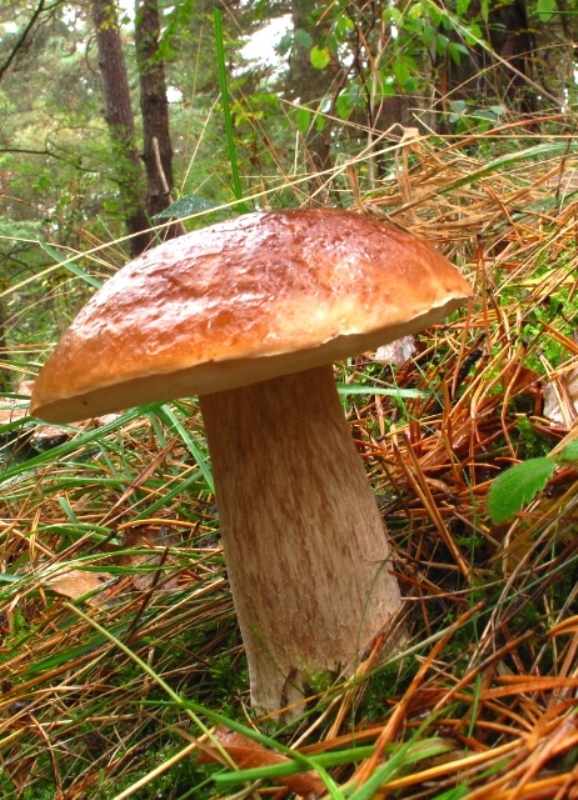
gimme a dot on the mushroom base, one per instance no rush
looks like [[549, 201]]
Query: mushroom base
[[305, 546]]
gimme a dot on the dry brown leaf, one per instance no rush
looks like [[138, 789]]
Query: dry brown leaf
[[75, 583], [248, 754], [397, 352], [561, 399]]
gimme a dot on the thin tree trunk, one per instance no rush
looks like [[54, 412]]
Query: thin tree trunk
[[158, 153], [120, 120], [308, 85]]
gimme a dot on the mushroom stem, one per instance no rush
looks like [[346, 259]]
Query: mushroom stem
[[305, 546]]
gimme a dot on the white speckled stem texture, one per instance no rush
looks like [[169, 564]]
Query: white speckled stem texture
[[305, 546]]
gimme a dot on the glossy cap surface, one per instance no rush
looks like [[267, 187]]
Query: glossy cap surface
[[243, 301]]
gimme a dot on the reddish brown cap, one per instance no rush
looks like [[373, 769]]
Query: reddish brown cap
[[240, 302]]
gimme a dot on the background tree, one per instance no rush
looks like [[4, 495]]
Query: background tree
[[120, 120], [157, 152]]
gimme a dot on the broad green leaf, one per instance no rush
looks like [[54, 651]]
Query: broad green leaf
[[185, 206], [456, 49], [342, 27], [546, 9], [429, 34], [401, 71], [303, 119], [393, 15], [319, 57], [284, 44], [415, 11], [441, 44], [343, 106], [517, 486], [473, 35], [320, 122], [302, 38]]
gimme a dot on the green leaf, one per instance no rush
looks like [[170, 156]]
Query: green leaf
[[568, 455], [517, 486], [343, 106], [319, 57], [284, 44], [303, 119], [441, 44], [546, 9], [456, 49], [473, 35], [401, 71], [185, 206], [393, 15], [429, 34], [302, 38], [320, 122], [342, 27]]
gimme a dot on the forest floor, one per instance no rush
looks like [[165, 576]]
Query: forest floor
[[122, 670]]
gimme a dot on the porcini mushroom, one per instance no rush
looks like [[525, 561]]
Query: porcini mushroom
[[250, 314]]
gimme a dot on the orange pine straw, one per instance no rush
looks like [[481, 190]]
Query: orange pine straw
[[366, 768]]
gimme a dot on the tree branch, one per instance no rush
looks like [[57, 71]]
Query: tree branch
[[22, 39]]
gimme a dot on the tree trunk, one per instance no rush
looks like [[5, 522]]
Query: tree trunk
[[480, 77], [307, 86], [120, 120], [158, 153]]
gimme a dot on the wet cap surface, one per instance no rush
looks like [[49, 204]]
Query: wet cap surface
[[243, 301]]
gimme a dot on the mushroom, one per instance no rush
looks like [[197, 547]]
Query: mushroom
[[250, 315]]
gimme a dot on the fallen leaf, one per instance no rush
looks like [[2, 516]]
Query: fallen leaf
[[561, 399], [248, 754], [396, 352], [75, 583]]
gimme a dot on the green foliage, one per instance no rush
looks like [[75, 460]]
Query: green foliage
[[320, 56], [546, 9], [186, 206], [519, 485]]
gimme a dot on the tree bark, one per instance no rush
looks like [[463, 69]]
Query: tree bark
[[120, 120], [480, 77], [307, 86], [158, 153]]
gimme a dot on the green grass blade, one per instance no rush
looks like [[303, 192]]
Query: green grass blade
[[223, 83], [69, 265]]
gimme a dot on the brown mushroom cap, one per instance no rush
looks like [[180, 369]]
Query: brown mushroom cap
[[243, 301]]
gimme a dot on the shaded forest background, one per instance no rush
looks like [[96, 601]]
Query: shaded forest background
[[109, 114]]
